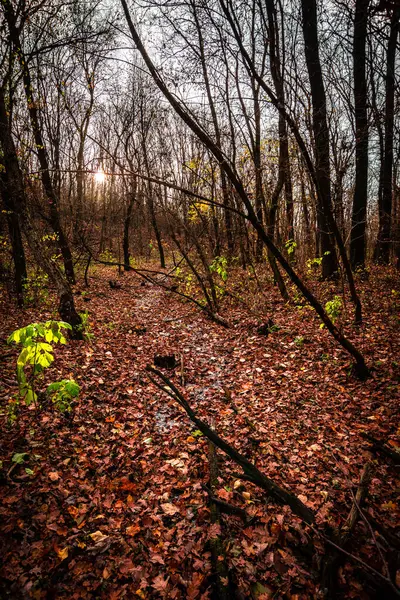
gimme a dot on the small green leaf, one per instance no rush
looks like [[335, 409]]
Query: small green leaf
[[54, 387], [72, 388], [197, 433], [19, 458]]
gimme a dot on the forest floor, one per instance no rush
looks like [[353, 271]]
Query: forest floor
[[112, 505]]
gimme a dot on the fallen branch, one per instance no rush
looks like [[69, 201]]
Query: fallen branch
[[277, 492], [226, 507], [387, 582], [379, 446], [341, 538], [218, 557], [141, 272]]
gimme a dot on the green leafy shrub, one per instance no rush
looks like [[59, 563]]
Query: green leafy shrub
[[333, 309], [37, 340], [219, 265], [107, 256], [85, 326], [314, 264], [62, 394], [290, 246]]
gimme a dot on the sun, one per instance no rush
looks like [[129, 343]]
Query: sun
[[100, 176]]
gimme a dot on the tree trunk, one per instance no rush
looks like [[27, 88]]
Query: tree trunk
[[33, 111], [14, 188], [359, 214], [276, 72], [18, 254], [321, 136], [127, 223], [385, 210], [226, 199]]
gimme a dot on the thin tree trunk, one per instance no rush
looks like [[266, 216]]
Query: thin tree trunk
[[14, 185], [321, 136], [276, 72], [127, 224], [359, 214], [385, 212], [18, 253], [32, 106], [226, 200]]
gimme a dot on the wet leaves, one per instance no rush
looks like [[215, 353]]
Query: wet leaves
[[115, 507]]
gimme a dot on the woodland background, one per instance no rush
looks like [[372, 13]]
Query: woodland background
[[211, 188]]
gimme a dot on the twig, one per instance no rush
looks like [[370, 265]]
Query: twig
[[368, 524], [366, 566], [226, 507], [182, 371]]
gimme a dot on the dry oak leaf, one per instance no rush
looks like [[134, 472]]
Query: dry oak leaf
[[98, 537], [159, 583], [54, 476], [169, 509]]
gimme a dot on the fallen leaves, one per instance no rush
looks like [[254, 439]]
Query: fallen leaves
[[169, 509], [98, 537], [117, 492], [62, 553], [160, 583], [132, 530]]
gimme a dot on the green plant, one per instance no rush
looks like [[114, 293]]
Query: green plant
[[313, 264], [189, 283], [85, 326], [298, 298], [299, 340], [62, 394], [219, 265], [35, 289], [333, 309], [106, 256], [133, 262], [37, 340], [290, 246]]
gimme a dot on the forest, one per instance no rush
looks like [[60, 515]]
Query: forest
[[199, 299]]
